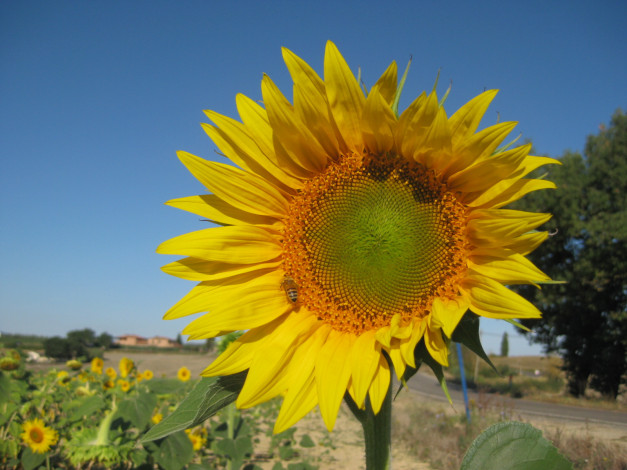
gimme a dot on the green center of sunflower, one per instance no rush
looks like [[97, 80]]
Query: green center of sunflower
[[373, 236]]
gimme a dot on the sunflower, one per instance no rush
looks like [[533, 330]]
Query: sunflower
[[124, 385], [126, 366], [148, 374], [38, 436], [350, 233], [111, 373], [184, 374], [96, 365]]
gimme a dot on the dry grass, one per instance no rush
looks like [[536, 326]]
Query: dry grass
[[436, 434]]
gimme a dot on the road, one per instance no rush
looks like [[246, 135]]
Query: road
[[427, 385]]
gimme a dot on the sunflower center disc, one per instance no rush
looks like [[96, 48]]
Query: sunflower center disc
[[371, 237]]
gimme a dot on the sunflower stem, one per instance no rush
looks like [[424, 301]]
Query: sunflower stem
[[377, 431]]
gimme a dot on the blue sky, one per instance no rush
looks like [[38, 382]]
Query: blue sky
[[97, 97]]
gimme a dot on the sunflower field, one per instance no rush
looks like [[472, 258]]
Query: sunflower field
[[88, 416]]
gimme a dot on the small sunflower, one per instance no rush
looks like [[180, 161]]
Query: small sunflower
[[350, 233], [126, 366], [111, 373], [96, 365], [148, 375], [124, 385], [38, 436], [184, 374]]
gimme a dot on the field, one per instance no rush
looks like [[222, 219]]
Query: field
[[441, 431]]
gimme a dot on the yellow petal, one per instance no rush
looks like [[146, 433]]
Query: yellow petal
[[332, 374], [231, 244], [528, 242], [364, 360], [302, 394], [478, 147], [267, 375], [490, 299], [501, 225], [448, 313], [245, 191], [435, 148], [289, 130], [243, 306], [486, 173], [509, 191], [407, 346], [397, 359], [505, 266], [387, 83], [465, 121], [214, 209], [240, 353], [417, 126], [297, 403], [436, 346], [194, 269], [345, 98], [380, 385], [236, 144], [378, 123], [198, 299]]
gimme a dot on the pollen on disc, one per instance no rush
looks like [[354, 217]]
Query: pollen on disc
[[371, 237]]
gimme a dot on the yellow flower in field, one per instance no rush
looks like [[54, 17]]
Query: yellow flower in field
[[124, 385], [148, 375], [349, 233], [139, 377], [38, 436], [184, 374], [111, 373], [156, 418], [198, 437], [126, 367], [74, 364], [96, 365], [108, 385]]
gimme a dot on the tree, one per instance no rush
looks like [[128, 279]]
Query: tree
[[104, 340], [585, 318], [504, 345]]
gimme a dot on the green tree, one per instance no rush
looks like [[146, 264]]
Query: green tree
[[104, 340], [505, 345], [585, 318]]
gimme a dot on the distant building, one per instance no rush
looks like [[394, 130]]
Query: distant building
[[155, 341]]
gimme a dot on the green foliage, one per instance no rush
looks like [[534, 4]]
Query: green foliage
[[513, 445], [505, 345], [585, 318], [101, 424]]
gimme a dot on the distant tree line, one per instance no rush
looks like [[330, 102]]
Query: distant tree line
[[76, 344], [585, 318]]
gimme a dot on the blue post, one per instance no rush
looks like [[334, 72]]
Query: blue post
[[462, 374]]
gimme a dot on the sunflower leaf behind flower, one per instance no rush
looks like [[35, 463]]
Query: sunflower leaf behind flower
[[386, 228]]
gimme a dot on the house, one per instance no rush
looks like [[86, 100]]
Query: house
[[155, 341]]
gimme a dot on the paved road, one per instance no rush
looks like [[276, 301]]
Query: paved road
[[427, 385]]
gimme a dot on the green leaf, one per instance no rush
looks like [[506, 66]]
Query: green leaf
[[31, 460], [467, 333], [307, 441], [164, 386], [208, 397], [86, 408], [5, 387], [513, 446], [421, 354], [175, 451], [138, 409]]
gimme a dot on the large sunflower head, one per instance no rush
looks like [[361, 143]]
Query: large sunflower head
[[349, 233], [38, 436]]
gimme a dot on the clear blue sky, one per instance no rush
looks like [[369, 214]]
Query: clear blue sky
[[96, 97]]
